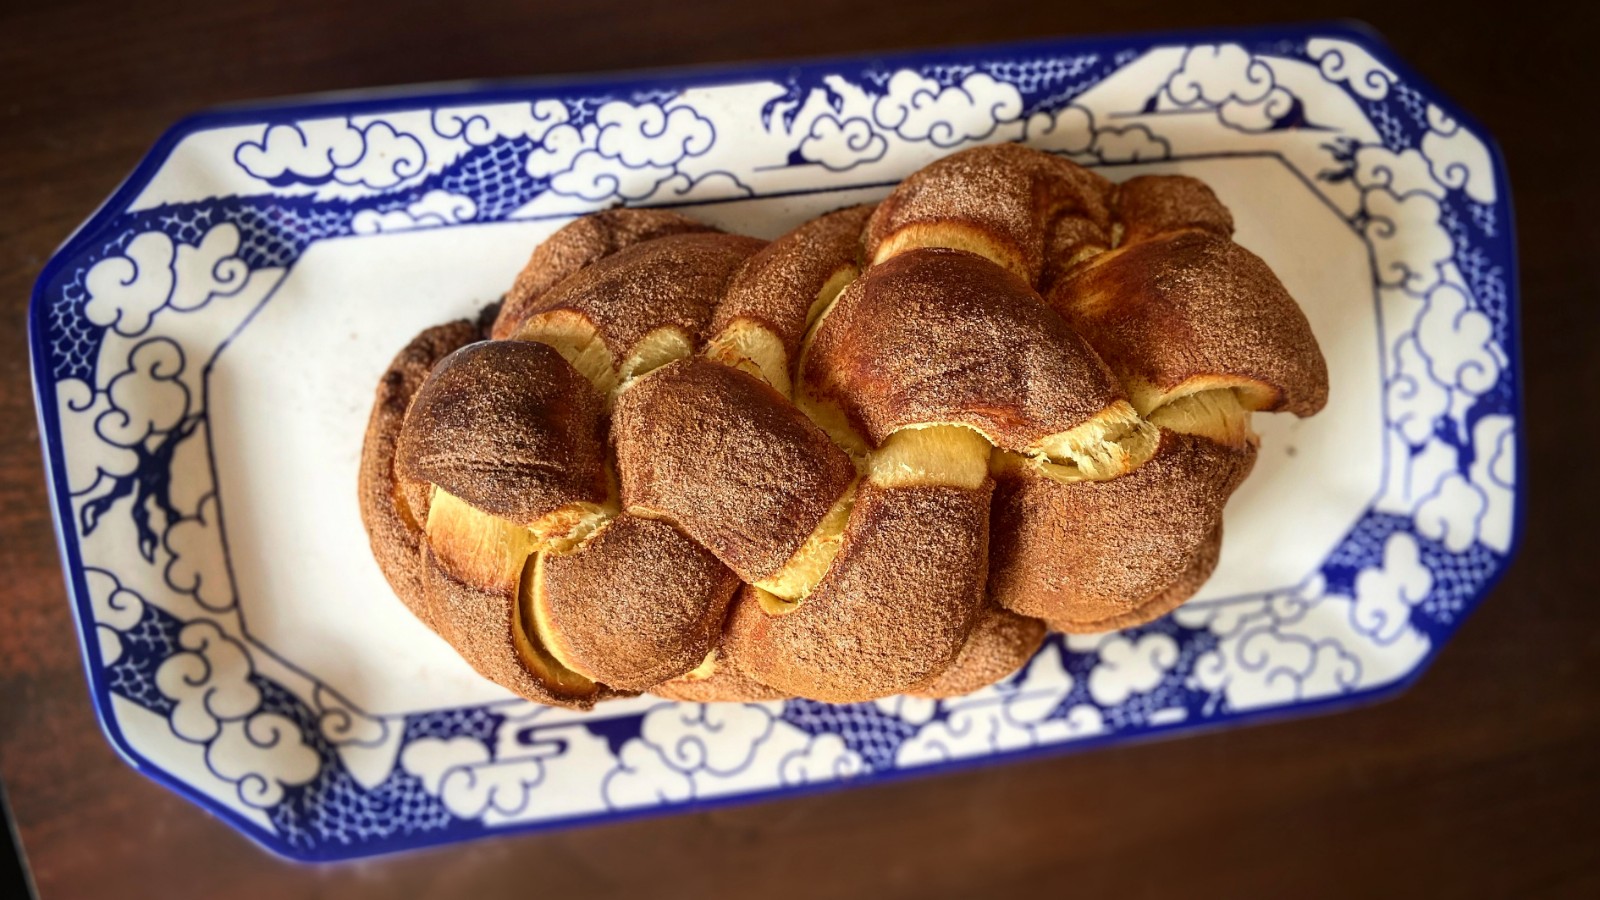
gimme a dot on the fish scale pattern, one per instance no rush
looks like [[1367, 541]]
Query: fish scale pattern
[[864, 727]]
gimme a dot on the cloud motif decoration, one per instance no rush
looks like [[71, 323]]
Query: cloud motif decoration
[[1458, 158], [839, 146], [1128, 667], [917, 108], [216, 703], [1129, 143], [1400, 174], [375, 156], [651, 135], [1008, 716], [263, 755], [1385, 594], [1458, 341], [146, 398], [1494, 474], [1069, 129], [686, 751], [459, 771], [680, 188], [116, 609], [1227, 78], [1417, 401], [824, 759], [1266, 667], [1348, 62], [367, 745], [126, 291], [720, 737], [80, 408], [1409, 246], [1442, 364], [209, 682], [1451, 513], [198, 566], [435, 208], [626, 153], [480, 126], [1279, 649]]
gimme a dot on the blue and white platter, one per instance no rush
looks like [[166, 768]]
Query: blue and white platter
[[205, 350]]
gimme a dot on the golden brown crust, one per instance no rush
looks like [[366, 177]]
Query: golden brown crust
[[1201, 565], [637, 604], [939, 335], [510, 427], [481, 622], [1001, 643], [777, 287], [1152, 311], [892, 612], [1072, 240], [393, 509], [670, 282], [1003, 198], [729, 459], [577, 245], [1152, 204], [1094, 551], [725, 684], [1192, 307]]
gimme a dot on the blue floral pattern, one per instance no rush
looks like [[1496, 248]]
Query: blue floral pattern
[[193, 699]]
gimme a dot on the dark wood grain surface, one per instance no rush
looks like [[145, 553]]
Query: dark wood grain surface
[[1482, 781]]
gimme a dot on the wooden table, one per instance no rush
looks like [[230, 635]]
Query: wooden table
[[1482, 781]]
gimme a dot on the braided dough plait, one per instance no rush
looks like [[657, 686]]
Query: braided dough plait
[[1001, 642], [581, 244], [780, 291], [730, 460], [999, 202], [876, 455], [894, 610], [1197, 330], [665, 599], [394, 509], [1152, 523], [511, 428], [717, 681]]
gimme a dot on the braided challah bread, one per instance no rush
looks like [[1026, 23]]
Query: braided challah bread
[[882, 454]]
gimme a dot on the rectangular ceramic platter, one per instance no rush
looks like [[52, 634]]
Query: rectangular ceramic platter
[[206, 348]]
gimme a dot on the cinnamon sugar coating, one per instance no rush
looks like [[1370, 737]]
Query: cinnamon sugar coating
[[941, 335], [577, 245], [893, 611], [665, 599], [393, 509], [778, 285], [1093, 551], [481, 622], [510, 427], [1192, 305], [1002, 289], [1000, 643], [1202, 562], [725, 684], [1150, 205], [728, 459], [1005, 196], [671, 282]]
